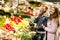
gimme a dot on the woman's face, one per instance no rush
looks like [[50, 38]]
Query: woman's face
[[52, 10]]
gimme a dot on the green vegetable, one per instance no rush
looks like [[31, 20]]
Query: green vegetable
[[26, 36], [25, 16], [1, 24]]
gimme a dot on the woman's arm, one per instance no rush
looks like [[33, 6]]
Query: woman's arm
[[51, 29]]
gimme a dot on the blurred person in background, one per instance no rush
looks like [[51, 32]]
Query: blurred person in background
[[52, 24]]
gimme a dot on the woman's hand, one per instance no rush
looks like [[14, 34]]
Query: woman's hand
[[43, 26]]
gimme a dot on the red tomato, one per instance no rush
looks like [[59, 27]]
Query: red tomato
[[19, 19], [11, 18], [8, 27], [16, 20]]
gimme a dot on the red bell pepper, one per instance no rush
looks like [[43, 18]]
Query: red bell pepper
[[8, 27]]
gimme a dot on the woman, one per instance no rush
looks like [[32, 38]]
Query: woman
[[52, 24]]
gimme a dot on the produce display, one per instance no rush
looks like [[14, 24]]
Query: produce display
[[15, 26]]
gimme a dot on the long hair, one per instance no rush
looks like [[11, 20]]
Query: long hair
[[55, 14]]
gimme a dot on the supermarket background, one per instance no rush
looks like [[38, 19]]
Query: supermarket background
[[17, 18]]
